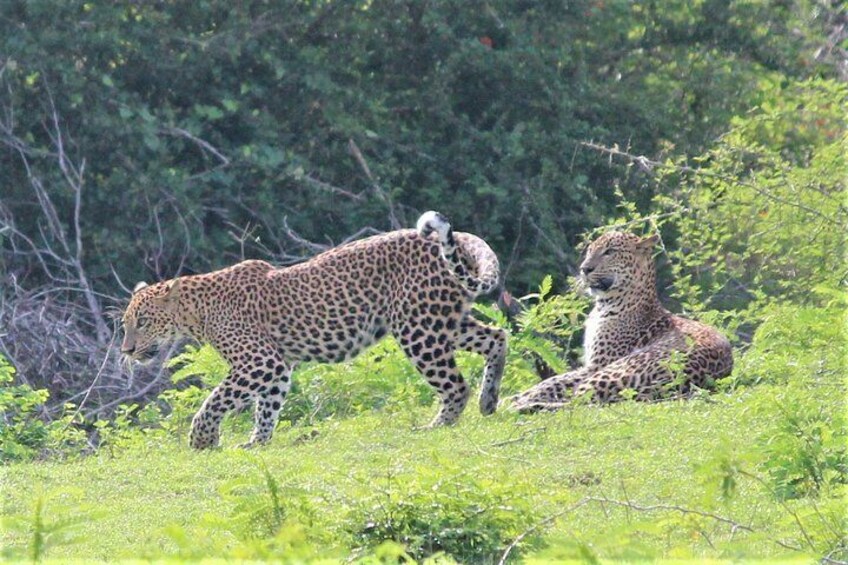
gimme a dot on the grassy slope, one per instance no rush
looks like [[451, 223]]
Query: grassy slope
[[646, 454]]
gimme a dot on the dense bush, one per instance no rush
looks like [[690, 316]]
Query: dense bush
[[763, 216], [204, 127]]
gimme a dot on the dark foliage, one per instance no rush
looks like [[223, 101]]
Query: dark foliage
[[212, 130]]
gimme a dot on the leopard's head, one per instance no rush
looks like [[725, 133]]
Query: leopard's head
[[150, 319], [617, 263]]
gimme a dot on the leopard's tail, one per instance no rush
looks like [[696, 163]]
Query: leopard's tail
[[471, 259]]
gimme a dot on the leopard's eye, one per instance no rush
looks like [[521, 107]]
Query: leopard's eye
[[608, 251], [141, 321]]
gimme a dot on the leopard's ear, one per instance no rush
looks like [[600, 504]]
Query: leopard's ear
[[139, 286], [172, 293], [648, 243]]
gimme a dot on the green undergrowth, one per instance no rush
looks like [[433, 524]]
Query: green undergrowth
[[756, 470]]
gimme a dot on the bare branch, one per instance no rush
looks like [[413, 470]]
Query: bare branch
[[332, 189], [59, 254], [648, 165], [281, 253], [141, 393], [204, 145], [378, 190], [74, 178], [95, 380], [310, 245]]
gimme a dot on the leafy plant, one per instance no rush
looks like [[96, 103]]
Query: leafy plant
[[258, 509], [49, 524], [259, 520], [465, 518], [381, 378], [202, 362], [544, 328], [808, 451], [761, 218], [22, 432]]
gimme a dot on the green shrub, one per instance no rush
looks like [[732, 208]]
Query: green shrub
[[381, 378], [760, 217], [202, 362], [178, 408], [800, 349], [467, 518], [22, 433], [808, 451], [545, 328], [796, 343]]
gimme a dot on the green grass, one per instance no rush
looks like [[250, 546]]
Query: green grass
[[670, 453], [757, 471]]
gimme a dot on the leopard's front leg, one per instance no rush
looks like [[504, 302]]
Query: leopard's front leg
[[258, 372], [205, 427]]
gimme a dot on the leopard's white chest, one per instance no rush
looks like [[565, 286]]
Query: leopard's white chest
[[590, 336]]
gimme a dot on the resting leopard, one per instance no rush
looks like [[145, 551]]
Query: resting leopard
[[411, 284], [631, 341]]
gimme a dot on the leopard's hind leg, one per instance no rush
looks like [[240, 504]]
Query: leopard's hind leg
[[491, 343], [268, 405], [550, 394], [647, 373], [432, 353]]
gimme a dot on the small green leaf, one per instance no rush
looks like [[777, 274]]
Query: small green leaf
[[545, 287]]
